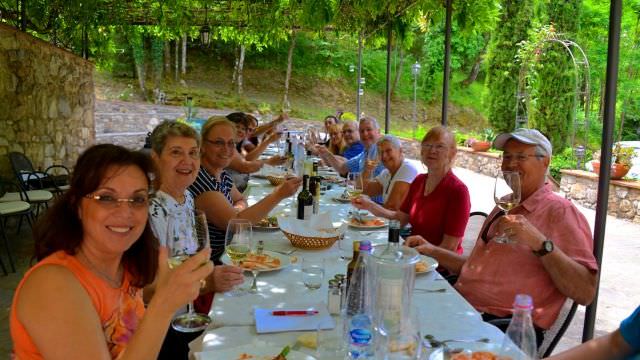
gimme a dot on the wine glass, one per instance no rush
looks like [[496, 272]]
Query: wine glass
[[187, 234], [353, 187], [506, 194], [372, 159], [257, 247], [238, 245]]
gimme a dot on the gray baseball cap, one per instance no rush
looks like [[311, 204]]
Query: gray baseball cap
[[525, 136]]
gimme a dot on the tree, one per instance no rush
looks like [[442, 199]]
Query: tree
[[502, 73], [554, 79]]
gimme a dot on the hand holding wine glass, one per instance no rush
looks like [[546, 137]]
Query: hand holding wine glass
[[187, 234], [507, 194], [354, 184], [238, 244]]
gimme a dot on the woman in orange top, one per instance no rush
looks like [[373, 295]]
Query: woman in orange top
[[96, 251]]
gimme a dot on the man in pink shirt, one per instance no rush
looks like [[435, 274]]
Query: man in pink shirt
[[550, 254]]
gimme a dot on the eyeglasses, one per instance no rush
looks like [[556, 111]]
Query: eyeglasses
[[111, 202], [436, 147], [221, 143], [507, 157], [179, 154]]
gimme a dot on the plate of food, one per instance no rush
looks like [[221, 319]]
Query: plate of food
[[426, 264], [267, 261], [267, 224], [468, 351], [254, 352], [367, 222]]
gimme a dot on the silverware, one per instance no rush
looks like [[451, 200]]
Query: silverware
[[287, 252], [431, 290], [432, 342]]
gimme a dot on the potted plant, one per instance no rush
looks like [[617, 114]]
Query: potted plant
[[622, 162], [485, 144]]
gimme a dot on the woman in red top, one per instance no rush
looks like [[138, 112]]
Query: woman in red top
[[437, 205]]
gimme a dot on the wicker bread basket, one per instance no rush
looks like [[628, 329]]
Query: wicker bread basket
[[310, 243], [275, 180]]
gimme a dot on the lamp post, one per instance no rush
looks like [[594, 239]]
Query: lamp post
[[205, 30], [579, 153], [415, 70]]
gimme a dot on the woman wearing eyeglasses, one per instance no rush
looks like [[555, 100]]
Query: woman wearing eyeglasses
[[242, 164], [214, 190], [96, 251], [437, 205], [176, 155]]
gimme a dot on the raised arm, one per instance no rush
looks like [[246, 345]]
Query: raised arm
[[255, 153], [572, 279], [65, 325], [338, 163], [219, 211]]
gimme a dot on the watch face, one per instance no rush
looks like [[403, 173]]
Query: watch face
[[548, 246]]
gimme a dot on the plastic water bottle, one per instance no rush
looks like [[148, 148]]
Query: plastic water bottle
[[520, 339], [359, 331]]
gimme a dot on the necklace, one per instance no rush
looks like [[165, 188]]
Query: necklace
[[116, 284]]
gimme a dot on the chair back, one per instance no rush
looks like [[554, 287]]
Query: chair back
[[553, 335], [476, 220], [20, 162]]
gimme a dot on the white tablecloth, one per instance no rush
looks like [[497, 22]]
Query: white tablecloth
[[444, 315]]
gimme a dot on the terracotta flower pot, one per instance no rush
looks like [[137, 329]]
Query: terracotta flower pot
[[618, 171], [481, 145]]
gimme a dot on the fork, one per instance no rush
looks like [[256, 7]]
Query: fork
[[443, 290], [287, 252]]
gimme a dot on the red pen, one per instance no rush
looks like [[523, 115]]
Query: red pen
[[294, 312]]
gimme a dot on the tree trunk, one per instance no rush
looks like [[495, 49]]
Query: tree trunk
[[398, 71], [167, 59], [184, 54], [177, 46], [292, 45], [475, 69], [601, 110], [234, 76], [137, 47], [240, 67]]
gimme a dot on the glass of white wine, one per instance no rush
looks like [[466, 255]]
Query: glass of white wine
[[238, 245], [354, 184], [506, 194], [187, 233]]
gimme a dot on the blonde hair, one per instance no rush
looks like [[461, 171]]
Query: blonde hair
[[443, 134], [214, 121], [170, 128], [338, 148]]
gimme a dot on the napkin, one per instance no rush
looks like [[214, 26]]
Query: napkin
[[267, 323], [319, 225]]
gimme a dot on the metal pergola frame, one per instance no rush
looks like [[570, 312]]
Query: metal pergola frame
[[607, 133]]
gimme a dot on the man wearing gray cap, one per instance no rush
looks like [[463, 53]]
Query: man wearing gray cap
[[550, 250]]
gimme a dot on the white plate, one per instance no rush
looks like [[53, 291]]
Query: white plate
[[261, 352], [368, 227], [432, 264], [284, 260], [438, 354]]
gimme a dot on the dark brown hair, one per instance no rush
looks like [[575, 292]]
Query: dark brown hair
[[61, 228]]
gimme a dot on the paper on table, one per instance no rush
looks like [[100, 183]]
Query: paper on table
[[319, 225], [267, 323]]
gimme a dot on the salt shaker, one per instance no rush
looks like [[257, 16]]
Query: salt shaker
[[334, 297]]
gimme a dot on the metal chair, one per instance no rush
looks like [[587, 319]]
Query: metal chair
[[11, 207], [31, 179]]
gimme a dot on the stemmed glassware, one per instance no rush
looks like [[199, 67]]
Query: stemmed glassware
[[187, 234], [238, 245], [506, 194], [353, 187]]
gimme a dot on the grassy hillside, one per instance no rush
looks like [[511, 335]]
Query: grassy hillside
[[320, 84]]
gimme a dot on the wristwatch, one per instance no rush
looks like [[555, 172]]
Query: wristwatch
[[547, 247]]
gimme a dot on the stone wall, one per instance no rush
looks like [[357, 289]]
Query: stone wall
[[46, 101], [624, 196], [485, 163]]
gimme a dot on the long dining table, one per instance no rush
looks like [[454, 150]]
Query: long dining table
[[445, 314]]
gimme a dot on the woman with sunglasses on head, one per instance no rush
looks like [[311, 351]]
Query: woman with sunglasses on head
[[243, 164], [437, 204], [96, 252], [176, 155], [215, 192]]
